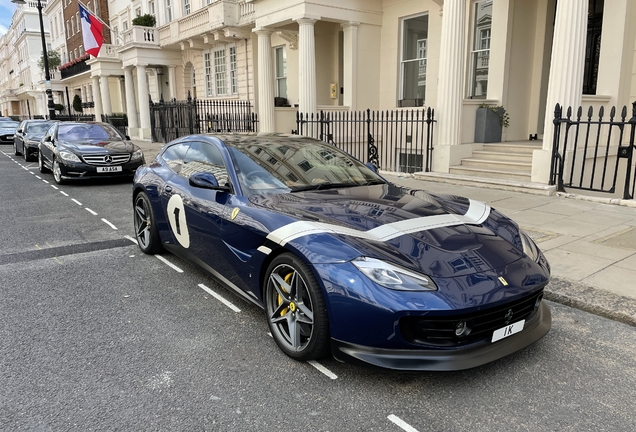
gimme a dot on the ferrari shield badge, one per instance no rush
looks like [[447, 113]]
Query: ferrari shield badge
[[501, 278], [235, 212]]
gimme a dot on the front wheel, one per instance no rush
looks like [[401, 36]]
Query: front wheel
[[41, 166], [57, 172], [146, 230], [295, 309], [15, 150]]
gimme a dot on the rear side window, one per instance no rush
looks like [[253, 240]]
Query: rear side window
[[174, 156]]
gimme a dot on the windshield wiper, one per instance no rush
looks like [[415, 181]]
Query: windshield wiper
[[324, 186]]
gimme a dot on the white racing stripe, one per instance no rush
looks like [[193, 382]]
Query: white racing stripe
[[401, 423], [323, 369], [219, 298], [109, 224], [169, 264], [476, 214]]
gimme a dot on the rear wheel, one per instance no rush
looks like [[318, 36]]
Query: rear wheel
[[41, 166], [146, 230], [295, 309]]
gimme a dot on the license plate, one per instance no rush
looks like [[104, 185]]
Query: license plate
[[508, 330], [109, 169]]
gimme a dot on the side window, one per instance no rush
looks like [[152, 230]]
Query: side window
[[174, 156], [205, 157], [50, 132]]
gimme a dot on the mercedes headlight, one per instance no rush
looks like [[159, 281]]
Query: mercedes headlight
[[393, 277], [529, 247], [68, 156], [138, 154]]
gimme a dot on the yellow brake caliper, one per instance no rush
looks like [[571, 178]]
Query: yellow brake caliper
[[287, 279]]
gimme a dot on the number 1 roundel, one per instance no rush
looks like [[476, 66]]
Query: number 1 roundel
[[177, 218]]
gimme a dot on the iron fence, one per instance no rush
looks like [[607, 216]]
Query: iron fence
[[119, 121], [172, 119], [593, 153], [400, 140]]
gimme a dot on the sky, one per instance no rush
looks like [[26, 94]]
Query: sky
[[6, 12]]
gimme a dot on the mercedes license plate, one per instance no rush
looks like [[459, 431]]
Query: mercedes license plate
[[107, 169], [508, 330]]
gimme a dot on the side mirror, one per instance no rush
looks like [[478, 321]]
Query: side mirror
[[127, 137], [207, 180], [48, 138], [19, 131]]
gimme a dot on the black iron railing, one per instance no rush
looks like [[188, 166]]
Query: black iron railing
[[400, 140], [119, 121], [75, 69], [591, 153], [172, 119]]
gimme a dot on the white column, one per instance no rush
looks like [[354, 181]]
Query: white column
[[451, 74], [105, 88], [172, 81], [265, 81], [131, 105], [350, 64], [144, 108], [97, 98], [565, 85], [306, 65]]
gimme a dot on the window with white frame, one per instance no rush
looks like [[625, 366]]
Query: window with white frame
[[168, 11], [233, 70], [220, 72], [72, 25], [81, 50], [413, 61], [124, 25], [281, 71], [186, 7], [138, 12], [207, 72], [480, 51], [115, 35], [151, 7]]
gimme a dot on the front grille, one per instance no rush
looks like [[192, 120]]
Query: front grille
[[7, 137], [116, 159], [440, 331]]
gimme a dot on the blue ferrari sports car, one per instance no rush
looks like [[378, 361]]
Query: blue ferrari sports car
[[340, 259]]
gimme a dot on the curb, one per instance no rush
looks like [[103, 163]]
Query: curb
[[593, 300]]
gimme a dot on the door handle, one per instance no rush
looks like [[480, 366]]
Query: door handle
[[168, 189]]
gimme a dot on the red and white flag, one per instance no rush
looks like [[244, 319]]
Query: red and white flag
[[91, 31]]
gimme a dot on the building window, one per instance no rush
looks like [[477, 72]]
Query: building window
[[207, 66], [220, 72], [233, 70], [151, 7], [169, 10], [480, 52], [186, 7], [81, 50], [124, 25], [115, 35], [281, 71], [593, 46], [138, 12], [72, 25], [413, 62]]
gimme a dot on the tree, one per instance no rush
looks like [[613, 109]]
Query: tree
[[77, 104], [54, 60], [145, 20], [59, 108]]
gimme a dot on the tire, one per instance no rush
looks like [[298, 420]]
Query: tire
[[41, 166], [295, 309], [15, 150], [57, 173], [25, 154], [146, 230]]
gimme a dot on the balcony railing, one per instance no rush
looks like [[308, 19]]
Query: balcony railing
[[75, 69], [141, 35]]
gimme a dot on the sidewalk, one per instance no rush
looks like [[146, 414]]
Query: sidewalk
[[591, 246]]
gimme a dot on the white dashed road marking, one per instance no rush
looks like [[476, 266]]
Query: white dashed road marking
[[169, 264], [323, 369], [109, 224], [45, 181], [63, 193], [131, 239], [54, 187], [219, 298], [90, 211], [401, 423], [76, 201]]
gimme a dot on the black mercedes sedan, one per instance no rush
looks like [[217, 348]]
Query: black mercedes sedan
[[7, 130], [75, 151], [27, 138]]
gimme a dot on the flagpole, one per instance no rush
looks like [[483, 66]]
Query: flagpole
[[101, 21]]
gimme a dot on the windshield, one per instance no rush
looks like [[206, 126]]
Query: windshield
[[293, 165], [37, 128], [71, 132]]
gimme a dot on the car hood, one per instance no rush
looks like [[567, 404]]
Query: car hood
[[8, 129], [33, 136], [439, 235], [99, 146]]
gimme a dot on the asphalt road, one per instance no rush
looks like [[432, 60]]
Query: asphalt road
[[96, 335]]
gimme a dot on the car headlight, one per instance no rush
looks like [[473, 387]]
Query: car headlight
[[393, 277], [529, 247], [68, 156], [138, 154]]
